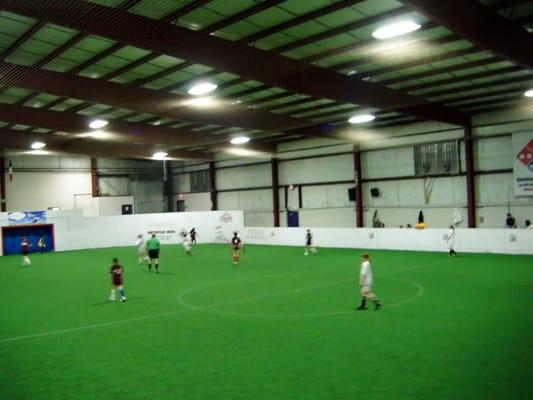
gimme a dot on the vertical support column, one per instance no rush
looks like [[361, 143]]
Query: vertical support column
[[300, 197], [275, 189], [470, 189], [169, 186], [213, 186], [94, 178], [3, 198], [358, 189]]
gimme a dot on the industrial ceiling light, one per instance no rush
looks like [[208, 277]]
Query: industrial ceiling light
[[160, 155], [395, 29], [38, 145], [529, 93], [98, 123], [240, 140], [202, 88], [361, 119]]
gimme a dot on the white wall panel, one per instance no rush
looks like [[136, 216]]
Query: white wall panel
[[493, 153], [244, 177], [40, 190], [196, 201], [323, 169], [386, 163]]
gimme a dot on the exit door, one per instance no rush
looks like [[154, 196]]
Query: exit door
[[293, 219]]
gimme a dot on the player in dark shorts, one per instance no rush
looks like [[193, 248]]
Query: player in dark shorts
[[309, 243], [193, 235], [235, 247], [117, 273], [25, 247], [153, 247]]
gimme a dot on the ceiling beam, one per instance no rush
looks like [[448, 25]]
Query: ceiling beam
[[120, 131], [224, 55], [140, 99], [217, 26], [21, 39], [482, 26], [402, 11], [14, 139], [299, 20]]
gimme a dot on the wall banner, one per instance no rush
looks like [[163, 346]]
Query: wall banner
[[26, 217], [523, 164]]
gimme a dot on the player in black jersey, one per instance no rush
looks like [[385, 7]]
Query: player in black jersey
[[235, 247], [309, 243]]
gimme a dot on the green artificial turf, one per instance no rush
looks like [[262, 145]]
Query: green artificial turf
[[278, 326]]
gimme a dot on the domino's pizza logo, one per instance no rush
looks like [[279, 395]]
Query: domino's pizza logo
[[526, 155]]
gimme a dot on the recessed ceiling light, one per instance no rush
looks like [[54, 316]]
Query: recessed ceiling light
[[395, 29], [202, 88], [201, 102], [38, 152], [361, 119], [240, 140], [100, 135], [97, 123], [38, 145], [529, 93], [160, 155]]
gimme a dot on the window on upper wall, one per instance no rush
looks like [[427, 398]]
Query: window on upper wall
[[199, 181], [437, 158]]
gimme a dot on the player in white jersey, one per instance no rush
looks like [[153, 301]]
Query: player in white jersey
[[141, 249], [450, 240], [186, 243], [365, 283]]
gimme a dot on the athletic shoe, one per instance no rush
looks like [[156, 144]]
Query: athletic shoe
[[122, 299], [378, 305], [112, 299], [360, 308]]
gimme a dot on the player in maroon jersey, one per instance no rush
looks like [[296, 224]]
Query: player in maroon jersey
[[25, 247], [236, 247], [117, 272]]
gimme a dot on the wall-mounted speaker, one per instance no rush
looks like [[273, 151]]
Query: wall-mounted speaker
[[374, 192], [351, 194]]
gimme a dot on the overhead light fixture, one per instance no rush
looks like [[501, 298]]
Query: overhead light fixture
[[160, 155], [361, 119], [99, 135], [201, 102], [98, 123], [240, 140], [202, 88], [38, 152], [38, 145], [529, 93], [395, 29]]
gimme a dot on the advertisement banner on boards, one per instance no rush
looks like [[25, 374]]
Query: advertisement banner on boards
[[523, 164], [166, 235], [26, 217]]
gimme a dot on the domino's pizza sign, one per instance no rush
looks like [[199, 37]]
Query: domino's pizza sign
[[26, 217], [523, 164]]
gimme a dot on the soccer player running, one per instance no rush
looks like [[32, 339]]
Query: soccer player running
[[117, 273], [309, 243], [365, 283], [141, 249], [153, 247], [25, 247], [193, 235], [236, 247], [450, 239]]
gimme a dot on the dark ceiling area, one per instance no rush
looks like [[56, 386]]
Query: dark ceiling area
[[283, 70]]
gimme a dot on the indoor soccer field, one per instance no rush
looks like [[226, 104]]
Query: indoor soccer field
[[278, 326]]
